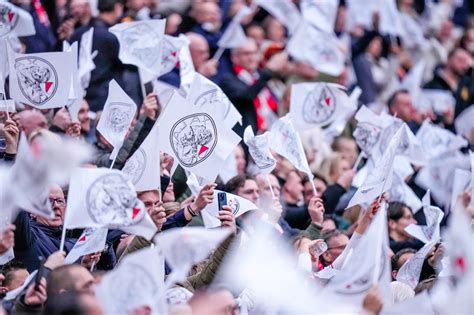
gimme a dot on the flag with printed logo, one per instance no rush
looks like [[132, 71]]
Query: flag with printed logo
[[259, 149], [318, 104], [286, 141], [410, 272], [15, 21], [316, 48], [86, 59], [92, 240], [143, 167], [136, 282], [106, 198], [141, 43], [196, 135], [41, 80], [117, 115], [238, 205], [430, 231]]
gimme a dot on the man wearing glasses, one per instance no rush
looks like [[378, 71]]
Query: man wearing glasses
[[37, 236]]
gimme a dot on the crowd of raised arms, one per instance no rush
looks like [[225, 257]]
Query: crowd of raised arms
[[195, 157]]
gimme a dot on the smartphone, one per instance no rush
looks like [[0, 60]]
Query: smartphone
[[221, 199], [40, 273], [148, 87]]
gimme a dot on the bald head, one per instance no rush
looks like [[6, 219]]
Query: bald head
[[32, 120], [199, 48]]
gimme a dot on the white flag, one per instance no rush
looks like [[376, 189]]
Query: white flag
[[170, 52], [318, 104], [15, 21], [316, 48], [86, 59], [320, 13], [195, 136], [461, 181], [185, 247], [400, 191], [117, 115], [205, 95], [437, 141], [440, 101], [92, 240], [137, 281], [286, 142], [369, 265], [143, 167], [186, 66], [455, 296], [238, 204], [141, 43], [37, 167], [434, 216], [410, 272], [361, 12], [259, 148], [463, 122], [266, 268], [380, 180], [414, 80], [284, 11], [233, 37], [471, 154], [76, 92], [105, 198], [41, 80]]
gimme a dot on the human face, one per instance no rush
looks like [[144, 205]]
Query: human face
[[249, 191], [224, 303], [265, 192], [169, 196], [58, 204], [336, 246], [293, 188], [403, 107], [328, 225], [151, 200], [275, 31], [240, 159], [83, 117], [459, 62], [19, 277], [257, 33], [199, 49], [398, 227], [83, 280], [375, 47], [338, 169], [308, 189], [31, 121], [247, 56], [348, 149]]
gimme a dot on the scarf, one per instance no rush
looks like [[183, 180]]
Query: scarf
[[264, 102]]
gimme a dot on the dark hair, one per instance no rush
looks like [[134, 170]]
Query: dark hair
[[9, 269], [424, 285], [395, 210], [393, 97], [327, 235], [236, 182], [67, 303], [61, 279], [305, 179], [396, 258], [335, 143], [108, 5]]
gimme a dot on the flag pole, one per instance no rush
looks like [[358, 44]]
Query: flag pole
[[92, 266], [63, 238], [113, 162], [270, 185], [218, 53], [315, 192], [357, 162]]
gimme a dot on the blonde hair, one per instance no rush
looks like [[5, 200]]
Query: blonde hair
[[329, 166]]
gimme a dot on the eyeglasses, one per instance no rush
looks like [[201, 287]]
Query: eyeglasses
[[59, 201], [151, 204]]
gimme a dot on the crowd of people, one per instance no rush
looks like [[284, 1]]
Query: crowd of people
[[257, 77]]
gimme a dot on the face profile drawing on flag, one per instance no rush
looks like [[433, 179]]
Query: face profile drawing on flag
[[196, 137], [141, 43], [16, 21], [41, 80]]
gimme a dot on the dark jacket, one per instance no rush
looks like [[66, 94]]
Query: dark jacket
[[242, 96], [33, 240], [413, 243]]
